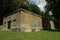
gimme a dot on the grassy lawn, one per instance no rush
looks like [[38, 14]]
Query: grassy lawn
[[42, 35]]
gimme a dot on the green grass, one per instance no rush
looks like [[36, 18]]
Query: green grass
[[42, 35]]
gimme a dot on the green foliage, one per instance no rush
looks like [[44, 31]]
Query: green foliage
[[7, 6], [34, 8], [54, 6]]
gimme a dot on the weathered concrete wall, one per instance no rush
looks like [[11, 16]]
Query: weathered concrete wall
[[9, 18], [25, 21], [1, 26], [30, 21]]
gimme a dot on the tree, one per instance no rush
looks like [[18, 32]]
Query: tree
[[54, 6], [10, 5], [7, 6], [34, 8]]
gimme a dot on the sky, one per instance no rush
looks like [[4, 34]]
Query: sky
[[40, 3]]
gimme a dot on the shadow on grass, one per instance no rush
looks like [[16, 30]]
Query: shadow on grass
[[53, 30]]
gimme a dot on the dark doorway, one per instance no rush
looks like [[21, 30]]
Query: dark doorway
[[9, 24]]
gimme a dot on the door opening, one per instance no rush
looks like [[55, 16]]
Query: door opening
[[9, 24]]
